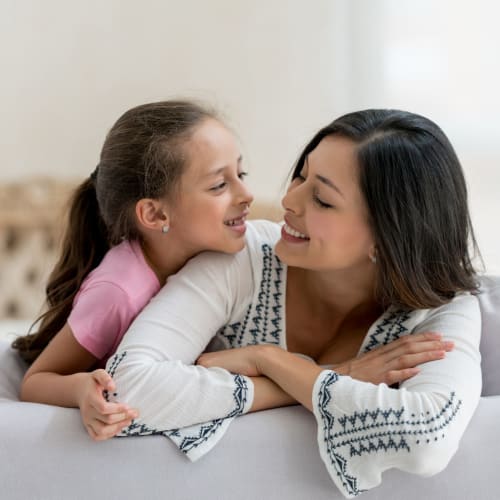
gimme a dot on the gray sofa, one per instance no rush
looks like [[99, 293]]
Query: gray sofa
[[46, 454]]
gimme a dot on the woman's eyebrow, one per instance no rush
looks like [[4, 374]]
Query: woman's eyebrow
[[329, 183]]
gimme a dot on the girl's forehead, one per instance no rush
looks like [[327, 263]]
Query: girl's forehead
[[211, 148]]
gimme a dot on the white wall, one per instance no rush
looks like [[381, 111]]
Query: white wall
[[278, 69], [442, 60], [71, 68]]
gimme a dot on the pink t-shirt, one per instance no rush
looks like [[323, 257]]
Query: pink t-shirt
[[111, 296]]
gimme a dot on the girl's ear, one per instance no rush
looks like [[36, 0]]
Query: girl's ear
[[152, 214]]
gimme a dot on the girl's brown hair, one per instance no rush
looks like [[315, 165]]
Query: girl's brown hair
[[143, 156]]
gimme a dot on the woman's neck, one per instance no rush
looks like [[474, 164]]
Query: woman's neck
[[345, 294]]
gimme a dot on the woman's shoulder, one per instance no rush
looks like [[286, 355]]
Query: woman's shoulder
[[463, 304]]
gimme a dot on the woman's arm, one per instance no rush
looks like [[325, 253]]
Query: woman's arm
[[389, 364], [364, 429], [59, 377]]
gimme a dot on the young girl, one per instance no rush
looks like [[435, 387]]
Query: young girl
[[169, 185], [375, 247]]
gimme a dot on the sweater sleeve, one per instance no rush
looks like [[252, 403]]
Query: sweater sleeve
[[365, 429], [153, 367]]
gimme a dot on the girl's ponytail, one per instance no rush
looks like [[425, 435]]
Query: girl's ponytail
[[84, 244], [143, 156]]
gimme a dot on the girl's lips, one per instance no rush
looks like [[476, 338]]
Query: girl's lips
[[237, 225]]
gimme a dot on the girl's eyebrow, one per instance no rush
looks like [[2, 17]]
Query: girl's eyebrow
[[329, 183], [219, 170]]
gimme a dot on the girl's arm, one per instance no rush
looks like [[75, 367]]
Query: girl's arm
[[59, 377]]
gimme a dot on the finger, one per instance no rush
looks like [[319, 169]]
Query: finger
[[396, 376], [115, 418], [413, 360], [103, 407], [417, 347], [103, 378], [406, 340], [90, 430], [102, 431], [414, 339]]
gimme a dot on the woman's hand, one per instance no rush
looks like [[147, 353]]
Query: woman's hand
[[396, 361], [389, 364], [102, 419]]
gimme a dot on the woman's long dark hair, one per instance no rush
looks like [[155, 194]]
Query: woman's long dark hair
[[142, 157], [416, 195]]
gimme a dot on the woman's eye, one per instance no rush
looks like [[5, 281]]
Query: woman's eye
[[321, 203], [220, 186], [300, 177], [242, 175]]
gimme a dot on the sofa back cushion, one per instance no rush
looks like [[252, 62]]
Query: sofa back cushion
[[489, 301]]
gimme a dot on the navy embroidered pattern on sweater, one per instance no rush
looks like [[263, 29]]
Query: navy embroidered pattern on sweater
[[190, 437], [193, 436], [390, 328], [377, 430], [262, 321]]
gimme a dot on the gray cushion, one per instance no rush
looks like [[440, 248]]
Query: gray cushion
[[489, 301]]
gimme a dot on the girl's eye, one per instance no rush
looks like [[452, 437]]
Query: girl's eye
[[321, 203], [300, 177], [242, 175]]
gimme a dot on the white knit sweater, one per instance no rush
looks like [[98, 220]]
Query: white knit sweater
[[363, 429]]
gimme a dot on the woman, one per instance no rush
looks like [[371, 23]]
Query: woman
[[375, 247]]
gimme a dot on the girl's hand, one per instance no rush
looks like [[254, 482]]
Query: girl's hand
[[243, 360], [396, 361], [102, 419]]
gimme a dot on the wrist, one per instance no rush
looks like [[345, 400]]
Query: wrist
[[80, 381], [267, 355]]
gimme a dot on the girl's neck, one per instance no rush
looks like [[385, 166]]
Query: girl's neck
[[164, 261]]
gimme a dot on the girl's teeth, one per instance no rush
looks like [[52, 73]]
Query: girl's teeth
[[234, 222], [294, 233]]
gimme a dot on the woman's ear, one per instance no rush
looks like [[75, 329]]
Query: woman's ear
[[152, 214]]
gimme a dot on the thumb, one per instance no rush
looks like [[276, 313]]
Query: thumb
[[103, 378]]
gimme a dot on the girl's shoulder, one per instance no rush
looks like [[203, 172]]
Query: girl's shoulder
[[139, 278]]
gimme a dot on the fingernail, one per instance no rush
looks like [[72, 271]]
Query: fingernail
[[448, 344]]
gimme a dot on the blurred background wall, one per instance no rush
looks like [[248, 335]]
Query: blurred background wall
[[276, 69]]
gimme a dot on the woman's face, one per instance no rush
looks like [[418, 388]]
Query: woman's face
[[326, 221], [212, 203]]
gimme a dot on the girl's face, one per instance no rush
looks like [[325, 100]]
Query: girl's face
[[326, 224], [210, 208]]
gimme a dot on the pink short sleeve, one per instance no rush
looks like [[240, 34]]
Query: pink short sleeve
[[100, 315]]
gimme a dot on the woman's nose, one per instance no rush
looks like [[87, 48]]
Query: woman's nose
[[291, 202]]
